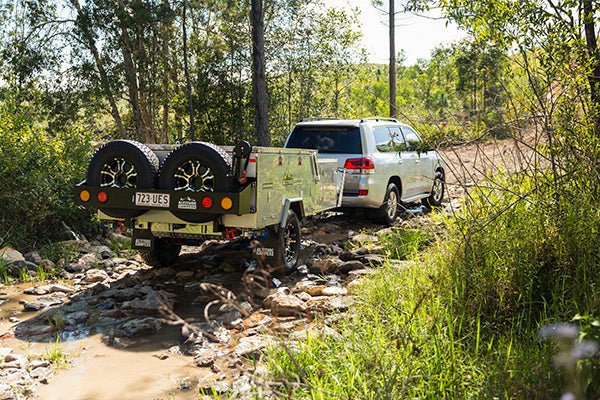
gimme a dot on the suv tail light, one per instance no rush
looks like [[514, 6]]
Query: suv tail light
[[363, 164]]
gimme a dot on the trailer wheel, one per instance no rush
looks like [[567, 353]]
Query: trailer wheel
[[197, 167], [164, 253], [287, 251], [123, 164]]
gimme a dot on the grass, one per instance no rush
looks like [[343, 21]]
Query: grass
[[58, 251], [462, 320], [4, 276], [56, 355]]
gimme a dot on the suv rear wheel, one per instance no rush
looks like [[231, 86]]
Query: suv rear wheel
[[437, 191], [388, 212]]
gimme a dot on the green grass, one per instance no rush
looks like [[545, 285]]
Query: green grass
[[58, 251], [56, 355], [4, 277], [404, 243], [462, 320]]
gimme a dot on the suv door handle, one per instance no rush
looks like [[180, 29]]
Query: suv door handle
[[417, 161]]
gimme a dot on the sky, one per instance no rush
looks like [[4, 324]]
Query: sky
[[417, 36]]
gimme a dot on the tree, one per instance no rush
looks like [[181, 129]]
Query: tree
[[259, 80]]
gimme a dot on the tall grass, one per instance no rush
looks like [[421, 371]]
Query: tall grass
[[462, 321]]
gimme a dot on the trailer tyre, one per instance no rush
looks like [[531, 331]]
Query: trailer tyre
[[197, 167], [165, 253], [123, 164], [287, 251]]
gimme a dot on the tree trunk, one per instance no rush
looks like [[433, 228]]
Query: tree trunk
[[392, 21], [259, 80], [91, 43], [594, 56], [166, 27], [188, 84], [131, 77]]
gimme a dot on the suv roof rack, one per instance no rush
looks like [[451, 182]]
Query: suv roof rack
[[317, 119], [379, 119]]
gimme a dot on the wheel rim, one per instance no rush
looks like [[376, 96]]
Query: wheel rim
[[193, 176], [290, 243], [438, 189], [118, 173], [392, 204]]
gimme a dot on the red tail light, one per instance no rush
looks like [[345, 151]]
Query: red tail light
[[363, 192], [102, 197], [363, 164], [207, 202]]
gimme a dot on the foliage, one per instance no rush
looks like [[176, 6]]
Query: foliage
[[38, 169], [404, 243]]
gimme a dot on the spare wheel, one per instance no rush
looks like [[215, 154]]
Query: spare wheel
[[197, 167], [123, 164]]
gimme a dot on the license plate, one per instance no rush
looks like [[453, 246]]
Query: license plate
[[152, 199]]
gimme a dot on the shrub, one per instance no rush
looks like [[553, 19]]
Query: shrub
[[38, 169]]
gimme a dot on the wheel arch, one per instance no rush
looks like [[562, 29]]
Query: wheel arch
[[296, 205], [396, 181]]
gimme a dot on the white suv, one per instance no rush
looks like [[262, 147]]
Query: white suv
[[386, 162]]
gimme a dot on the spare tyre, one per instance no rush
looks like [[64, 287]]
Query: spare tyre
[[123, 164], [197, 167]]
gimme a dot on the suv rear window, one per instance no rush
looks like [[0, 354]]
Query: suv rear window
[[342, 140]]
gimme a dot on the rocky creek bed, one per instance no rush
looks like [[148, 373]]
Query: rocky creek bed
[[201, 324]]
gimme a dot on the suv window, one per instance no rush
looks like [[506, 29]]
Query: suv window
[[412, 139], [342, 140], [383, 139]]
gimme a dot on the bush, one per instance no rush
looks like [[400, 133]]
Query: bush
[[37, 172]]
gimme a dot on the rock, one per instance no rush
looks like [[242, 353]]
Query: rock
[[361, 272], [283, 305], [9, 255], [46, 289], [41, 374], [5, 392], [119, 294], [95, 275], [15, 267], [348, 266], [185, 276], [45, 301], [151, 303], [33, 257], [164, 273], [57, 288], [325, 265], [38, 364], [14, 361], [103, 252], [250, 346], [205, 359], [137, 327], [364, 238], [330, 304], [77, 317], [309, 287], [14, 320], [373, 260], [385, 232], [99, 287], [28, 330], [334, 291], [4, 351]]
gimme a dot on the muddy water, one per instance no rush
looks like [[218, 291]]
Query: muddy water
[[100, 371], [103, 372]]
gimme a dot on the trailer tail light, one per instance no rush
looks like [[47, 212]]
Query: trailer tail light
[[226, 203], [363, 192], [363, 164], [207, 202], [84, 195], [102, 197]]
